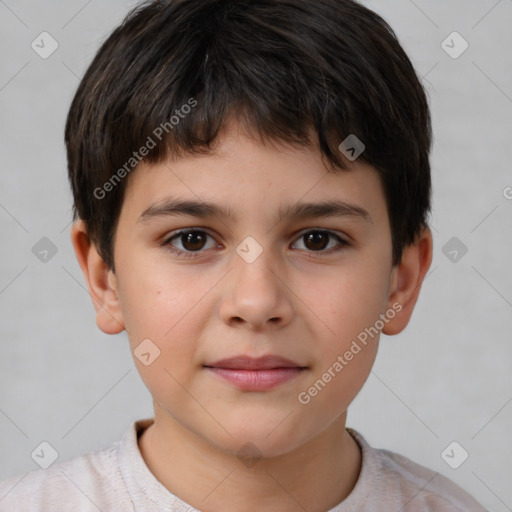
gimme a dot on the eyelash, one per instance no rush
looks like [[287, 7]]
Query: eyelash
[[193, 254]]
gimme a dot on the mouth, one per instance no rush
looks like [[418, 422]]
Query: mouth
[[256, 374]]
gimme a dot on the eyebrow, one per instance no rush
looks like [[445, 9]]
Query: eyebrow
[[204, 209]]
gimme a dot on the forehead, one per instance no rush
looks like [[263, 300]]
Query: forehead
[[243, 173]]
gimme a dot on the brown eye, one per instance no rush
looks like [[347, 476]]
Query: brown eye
[[319, 240], [189, 241], [193, 241], [316, 240]]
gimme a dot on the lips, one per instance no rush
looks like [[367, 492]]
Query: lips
[[268, 362], [255, 374]]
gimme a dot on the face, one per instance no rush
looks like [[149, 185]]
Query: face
[[256, 274]]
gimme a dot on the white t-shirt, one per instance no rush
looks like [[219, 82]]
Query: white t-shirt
[[116, 478]]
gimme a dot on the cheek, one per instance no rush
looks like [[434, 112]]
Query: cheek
[[162, 308], [169, 319], [350, 304], [344, 358], [350, 301], [158, 301], [336, 386]]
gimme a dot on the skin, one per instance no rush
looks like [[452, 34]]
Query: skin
[[306, 301]]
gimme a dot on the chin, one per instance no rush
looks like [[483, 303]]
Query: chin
[[266, 437]]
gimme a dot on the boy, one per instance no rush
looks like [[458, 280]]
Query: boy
[[256, 129]]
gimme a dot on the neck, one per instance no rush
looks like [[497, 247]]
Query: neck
[[314, 477]]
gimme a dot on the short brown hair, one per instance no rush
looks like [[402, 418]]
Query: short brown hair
[[281, 67]]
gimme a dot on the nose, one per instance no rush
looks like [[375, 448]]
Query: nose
[[256, 295]]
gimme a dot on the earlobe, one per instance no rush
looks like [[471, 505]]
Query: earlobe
[[101, 281], [407, 279]]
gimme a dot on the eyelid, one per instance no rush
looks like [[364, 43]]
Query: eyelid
[[176, 234], [342, 239], [341, 235]]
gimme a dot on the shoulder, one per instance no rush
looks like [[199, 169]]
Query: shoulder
[[84, 483], [404, 482]]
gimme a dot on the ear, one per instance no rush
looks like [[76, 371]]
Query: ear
[[406, 281], [100, 280]]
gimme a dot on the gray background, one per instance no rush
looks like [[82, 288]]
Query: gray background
[[446, 378]]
